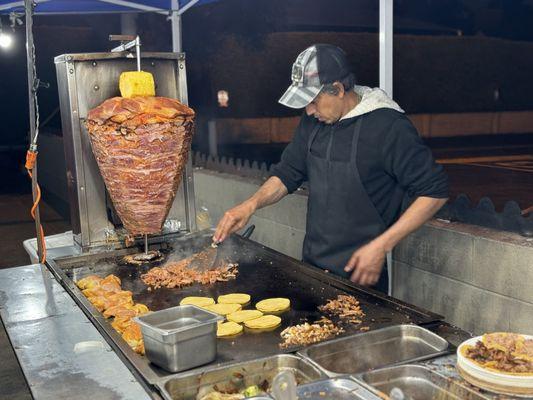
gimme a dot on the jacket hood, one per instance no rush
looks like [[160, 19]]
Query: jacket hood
[[371, 99]]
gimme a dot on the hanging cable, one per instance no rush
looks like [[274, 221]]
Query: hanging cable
[[31, 155]]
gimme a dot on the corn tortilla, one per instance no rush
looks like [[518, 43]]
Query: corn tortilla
[[244, 315], [273, 305], [197, 301], [228, 329], [223, 309], [264, 322], [234, 298], [503, 341]]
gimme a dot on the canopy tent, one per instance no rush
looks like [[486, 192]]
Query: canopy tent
[[173, 8], [99, 6]]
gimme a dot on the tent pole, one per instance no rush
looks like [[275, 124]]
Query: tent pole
[[30, 49], [176, 27], [385, 45]]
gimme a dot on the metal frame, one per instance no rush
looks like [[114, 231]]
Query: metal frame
[[175, 14], [89, 217]]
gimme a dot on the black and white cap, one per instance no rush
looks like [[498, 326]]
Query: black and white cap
[[315, 66]]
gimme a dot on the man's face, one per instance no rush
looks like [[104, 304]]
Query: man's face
[[326, 108]]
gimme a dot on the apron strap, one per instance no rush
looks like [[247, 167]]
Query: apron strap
[[355, 139], [328, 150], [312, 137]]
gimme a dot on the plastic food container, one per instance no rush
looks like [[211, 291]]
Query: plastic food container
[[180, 338]]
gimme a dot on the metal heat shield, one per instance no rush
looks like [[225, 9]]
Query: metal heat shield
[[84, 82]]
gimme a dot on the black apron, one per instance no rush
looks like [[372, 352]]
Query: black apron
[[340, 215]]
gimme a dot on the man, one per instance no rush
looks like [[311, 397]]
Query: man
[[362, 158]]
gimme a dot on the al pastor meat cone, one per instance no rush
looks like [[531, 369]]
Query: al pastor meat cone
[[141, 146]]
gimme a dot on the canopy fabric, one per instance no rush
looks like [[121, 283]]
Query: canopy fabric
[[99, 6]]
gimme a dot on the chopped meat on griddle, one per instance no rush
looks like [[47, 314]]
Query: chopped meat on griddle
[[306, 333], [178, 274], [345, 307]]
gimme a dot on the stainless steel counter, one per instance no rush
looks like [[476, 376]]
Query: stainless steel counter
[[60, 351], [63, 356]]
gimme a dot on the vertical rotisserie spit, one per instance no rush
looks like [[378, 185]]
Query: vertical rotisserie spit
[[141, 145]]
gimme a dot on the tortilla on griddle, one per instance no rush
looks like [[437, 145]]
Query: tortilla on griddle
[[223, 309], [276, 304], [264, 322], [197, 301], [234, 298], [228, 329], [244, 315]]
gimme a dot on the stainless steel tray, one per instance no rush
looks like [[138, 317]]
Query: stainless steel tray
[[193, 385], [371, 350], [418, 383], [337, 388], [181, 337]]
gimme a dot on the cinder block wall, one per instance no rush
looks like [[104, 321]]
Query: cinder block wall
[[479, 279]]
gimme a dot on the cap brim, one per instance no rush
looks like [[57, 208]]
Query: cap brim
[[299, 96]]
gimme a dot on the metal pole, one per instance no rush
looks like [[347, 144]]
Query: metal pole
[[128, 24], [145, 244], [385, 45], [28, 6], [175, 20], [386, 15], [138, 52]]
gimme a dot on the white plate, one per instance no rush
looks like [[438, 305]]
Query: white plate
[[488, 375]]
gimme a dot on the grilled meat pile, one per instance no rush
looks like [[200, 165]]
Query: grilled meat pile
[[141, 146], [345, 307], [306, 333], [178, 274]]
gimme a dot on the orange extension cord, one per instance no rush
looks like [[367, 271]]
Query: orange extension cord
[[31, 158]]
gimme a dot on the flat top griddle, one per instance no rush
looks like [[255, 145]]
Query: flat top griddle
[[263, 273]]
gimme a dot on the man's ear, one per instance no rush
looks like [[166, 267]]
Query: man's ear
[[340, 89]]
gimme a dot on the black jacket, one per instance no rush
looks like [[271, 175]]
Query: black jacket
[[391, 158]]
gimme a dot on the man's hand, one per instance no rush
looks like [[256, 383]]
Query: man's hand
[[233, 220], [366, 264]]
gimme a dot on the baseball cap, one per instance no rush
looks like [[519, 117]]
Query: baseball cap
[[314, 67]]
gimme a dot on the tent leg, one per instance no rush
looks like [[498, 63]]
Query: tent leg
[[128, 24], [176, 27], [385, 45], [33, 116]]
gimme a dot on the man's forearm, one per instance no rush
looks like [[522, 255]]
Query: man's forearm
[[272, 191], [413, 218]]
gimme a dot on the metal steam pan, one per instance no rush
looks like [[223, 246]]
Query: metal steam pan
[[376, 349]]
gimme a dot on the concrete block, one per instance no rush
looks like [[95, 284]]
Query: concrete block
[[279, 237], [290, 211], [227, 191], [521, 317], [441, 251], [466, 306], [504, 268]]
